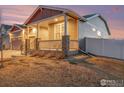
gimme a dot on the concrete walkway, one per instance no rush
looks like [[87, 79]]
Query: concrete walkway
[[10, 53]]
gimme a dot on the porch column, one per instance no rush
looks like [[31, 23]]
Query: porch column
[[26, 42], [10, 37], [65, 38], [37, 43], [65, 24], [23, 40], [27, 37]]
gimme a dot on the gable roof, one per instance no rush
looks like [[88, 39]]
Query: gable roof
[[55, 10], [20, 26], [91, 16], [17, 27]]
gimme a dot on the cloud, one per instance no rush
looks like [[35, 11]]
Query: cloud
[[15, 13], [117, 34], [114, 15]]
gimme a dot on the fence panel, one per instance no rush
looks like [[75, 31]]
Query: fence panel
[[105, 47]]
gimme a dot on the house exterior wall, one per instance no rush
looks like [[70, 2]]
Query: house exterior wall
[[72, 29], [17, 39], [51, 31], [43, 33], [85, 30], [17, 34], [47, 33]]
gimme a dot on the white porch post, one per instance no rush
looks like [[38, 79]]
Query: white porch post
[[37, 37], [65, 24], [23, 34], [65, 38], [37, 30], [10, 36], [26, 45], [27, 33]]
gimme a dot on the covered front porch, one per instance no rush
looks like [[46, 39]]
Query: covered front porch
[[47, 34]]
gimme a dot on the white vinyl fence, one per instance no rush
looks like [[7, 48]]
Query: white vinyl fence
[[105, 47]]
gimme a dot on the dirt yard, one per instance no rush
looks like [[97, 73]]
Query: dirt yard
[[74, 71]]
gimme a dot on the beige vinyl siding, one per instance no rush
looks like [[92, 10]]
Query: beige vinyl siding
[[43, 33], [51, 31], [72, 29]]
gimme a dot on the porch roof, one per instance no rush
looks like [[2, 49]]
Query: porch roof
[[49, 12]]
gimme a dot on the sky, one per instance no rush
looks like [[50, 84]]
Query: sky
[[114, 15]]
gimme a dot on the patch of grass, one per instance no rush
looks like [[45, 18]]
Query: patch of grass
[[37, 71]]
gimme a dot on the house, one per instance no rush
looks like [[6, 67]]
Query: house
[[4, 30], [52, 28], [94, 27], [17, 36]]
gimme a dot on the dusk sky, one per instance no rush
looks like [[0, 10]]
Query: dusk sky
[[113, 14]]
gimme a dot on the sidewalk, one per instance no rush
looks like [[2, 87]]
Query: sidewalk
[[10, 53]]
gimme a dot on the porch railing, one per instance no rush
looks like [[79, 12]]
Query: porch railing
[[56, 44], [50, 44]]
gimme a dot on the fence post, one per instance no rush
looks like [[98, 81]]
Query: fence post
[[65, 45], [26, 46], [1, 65], [103, 46], [37, 43]]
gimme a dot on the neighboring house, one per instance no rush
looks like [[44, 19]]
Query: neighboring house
[[4, 34], [94, 27], [58, 29], [17, 36]]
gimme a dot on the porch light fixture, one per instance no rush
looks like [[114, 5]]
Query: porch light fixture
[[55, 19], [99, 33], [93, 29], [34, 30]]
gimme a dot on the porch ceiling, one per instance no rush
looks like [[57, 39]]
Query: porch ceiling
[[51, 21], [44, 23]]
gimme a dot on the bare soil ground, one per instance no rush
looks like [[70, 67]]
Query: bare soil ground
[[75, 71]]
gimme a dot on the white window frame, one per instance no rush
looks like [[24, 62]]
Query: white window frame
[[58, 31]]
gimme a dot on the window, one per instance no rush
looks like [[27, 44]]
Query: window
[[58, 31]]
